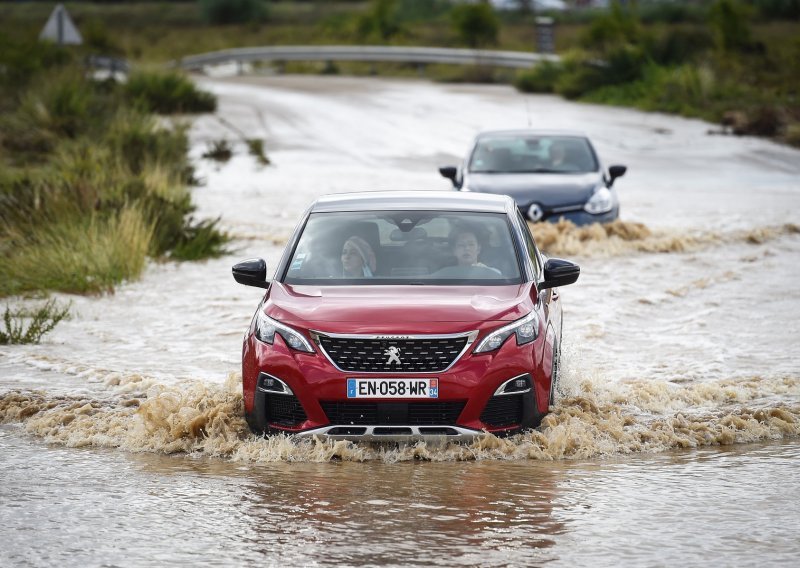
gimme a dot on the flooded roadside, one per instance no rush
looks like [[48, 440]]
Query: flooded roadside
[[681, 333], [149, 509]]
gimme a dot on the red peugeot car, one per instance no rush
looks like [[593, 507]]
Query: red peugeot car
[[405, 315]]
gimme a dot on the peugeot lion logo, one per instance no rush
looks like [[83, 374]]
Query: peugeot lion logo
[[394, 355]]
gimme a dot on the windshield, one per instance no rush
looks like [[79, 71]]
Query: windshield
[[405, 247], [526, 154]]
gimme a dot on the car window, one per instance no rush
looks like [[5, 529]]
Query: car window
[[524, 153], [399, 247], [533, 252]]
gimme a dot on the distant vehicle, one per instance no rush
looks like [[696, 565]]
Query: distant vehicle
[[551, 175], [405, 315], [537, 5]]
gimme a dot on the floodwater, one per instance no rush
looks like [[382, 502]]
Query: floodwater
[[675, 438]]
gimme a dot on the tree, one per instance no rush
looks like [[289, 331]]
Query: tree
[[476, 24]]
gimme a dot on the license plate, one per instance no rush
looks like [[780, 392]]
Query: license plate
[[392, 388]]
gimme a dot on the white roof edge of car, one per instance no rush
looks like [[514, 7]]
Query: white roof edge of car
[[413, 200], [532, 131]]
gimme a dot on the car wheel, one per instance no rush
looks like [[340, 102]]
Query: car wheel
[[252, 423]]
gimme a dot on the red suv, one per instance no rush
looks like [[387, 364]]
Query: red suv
[[404, 315]]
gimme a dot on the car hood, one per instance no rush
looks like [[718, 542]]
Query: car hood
[[387, 306], [549, 190]]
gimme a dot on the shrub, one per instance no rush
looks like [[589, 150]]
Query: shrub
[[221, 12], [40, 321], [62, 104], [218, 150], [380, 21], [256, 149], [608, 31], [88, 255], [475, 24], [139, 141], [680, 45], [168, 93], [540, 79], [671, 12], [729, 19], [778, 9], [202, 239]]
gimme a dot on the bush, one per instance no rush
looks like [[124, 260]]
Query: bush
[[681, 45], [540, 79], [671, 12], [40, 321], [84, 255], [608, 31], [221, 12], [381, 21], [729, 19], [200, 240], [476, 24], [778, 9], [168, 93]]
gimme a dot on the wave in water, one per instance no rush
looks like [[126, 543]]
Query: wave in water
[[621, 237], [594, 420]]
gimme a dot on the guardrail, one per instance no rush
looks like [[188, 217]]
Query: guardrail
[[420, 55]]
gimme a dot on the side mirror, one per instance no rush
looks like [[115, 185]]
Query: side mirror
[[251, 272], [449, 172], [558, 272], [616, 171]]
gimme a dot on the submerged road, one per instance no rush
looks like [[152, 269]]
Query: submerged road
[[675, 439]]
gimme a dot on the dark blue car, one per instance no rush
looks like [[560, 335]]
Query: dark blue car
[[551, 175]]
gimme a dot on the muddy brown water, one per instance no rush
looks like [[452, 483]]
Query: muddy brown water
[[674, 439]]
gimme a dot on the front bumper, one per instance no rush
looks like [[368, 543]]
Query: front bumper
[[467, 406], [578, 216]]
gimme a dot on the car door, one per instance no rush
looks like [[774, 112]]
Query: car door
[[548, 305]]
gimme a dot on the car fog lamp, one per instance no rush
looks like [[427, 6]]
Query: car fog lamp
[[517, 385], [268, 383]]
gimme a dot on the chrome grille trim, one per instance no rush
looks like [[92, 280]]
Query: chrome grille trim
[[471, 336]]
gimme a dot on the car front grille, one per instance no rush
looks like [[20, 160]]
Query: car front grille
[[284, 410], [393, 413], [502, 411], [425, 354]]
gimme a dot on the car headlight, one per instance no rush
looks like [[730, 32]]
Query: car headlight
[[266, 328], [601, 202], [526, 330]]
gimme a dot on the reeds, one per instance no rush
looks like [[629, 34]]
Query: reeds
[[92, 185]]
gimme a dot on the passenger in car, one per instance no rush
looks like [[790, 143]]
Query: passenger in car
[[467, 247], [358, 258]]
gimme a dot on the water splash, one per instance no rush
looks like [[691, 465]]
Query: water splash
[[593, 420], [623, 237]]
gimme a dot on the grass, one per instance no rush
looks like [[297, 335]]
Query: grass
[[168, 92], [91, 183], [78, 254], [219, 150], [23, 326]]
